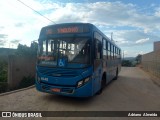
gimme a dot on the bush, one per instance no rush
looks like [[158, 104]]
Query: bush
[[3, 71], [3, 87], [126, 63], [26, 82]]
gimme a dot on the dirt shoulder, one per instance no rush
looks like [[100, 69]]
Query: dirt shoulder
[[154, 79]]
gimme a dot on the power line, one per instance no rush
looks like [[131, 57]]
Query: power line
[[36, 11]]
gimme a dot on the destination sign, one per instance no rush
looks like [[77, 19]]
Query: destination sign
[[66, 29]]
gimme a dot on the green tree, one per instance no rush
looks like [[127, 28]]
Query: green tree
[[3, 71], [138, 58], [34, 48], [126, 63], [24, 50]]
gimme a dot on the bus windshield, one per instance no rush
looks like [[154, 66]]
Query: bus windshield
[[74, 52]]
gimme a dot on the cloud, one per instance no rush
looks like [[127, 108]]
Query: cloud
[[106, 14], [20, 24], [3, 39], [142, 41], [157, 12], [2, 42], [140, 52], [1, 27], [103, 13], [132, 38], [15, 41], [125, 20], [2, 36]]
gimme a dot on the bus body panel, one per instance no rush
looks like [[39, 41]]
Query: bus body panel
[[97, 74]]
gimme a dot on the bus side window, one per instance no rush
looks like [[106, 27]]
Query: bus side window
[[111, 51], [98, 49], [108, 49], [104, 44], [119, 53]]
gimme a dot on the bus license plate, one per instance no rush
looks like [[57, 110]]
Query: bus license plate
[[56, 90]]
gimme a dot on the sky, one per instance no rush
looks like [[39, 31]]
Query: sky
[[135, 24]]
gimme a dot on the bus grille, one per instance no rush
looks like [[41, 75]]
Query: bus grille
[[58, 72], [67, 90]]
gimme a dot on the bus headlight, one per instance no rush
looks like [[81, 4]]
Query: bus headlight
[[82, 82], [86, 80]]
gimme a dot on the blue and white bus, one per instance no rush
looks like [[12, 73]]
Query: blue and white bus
[[75, 59]]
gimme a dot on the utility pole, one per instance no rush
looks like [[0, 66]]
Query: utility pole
[[111, 36], [123, 54]]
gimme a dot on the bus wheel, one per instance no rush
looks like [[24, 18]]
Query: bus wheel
[[115, 78], [103, 84]]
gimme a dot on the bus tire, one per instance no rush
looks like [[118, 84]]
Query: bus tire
[[103, 84], [99, 92]]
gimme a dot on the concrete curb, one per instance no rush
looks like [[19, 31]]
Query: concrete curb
[[14, 91]]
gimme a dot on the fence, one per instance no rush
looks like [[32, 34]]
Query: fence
[[20, 67], [151, 62]]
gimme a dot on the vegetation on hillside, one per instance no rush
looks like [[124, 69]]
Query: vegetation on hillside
[[3, 75], [3, 71], [22, 50], [138, 58], [26, 82], [131, 62]]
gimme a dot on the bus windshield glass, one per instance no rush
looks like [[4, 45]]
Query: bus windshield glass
[[71, 52]]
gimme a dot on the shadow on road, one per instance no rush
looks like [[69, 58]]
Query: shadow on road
[[51, 98], [74, 100], [68, 100]]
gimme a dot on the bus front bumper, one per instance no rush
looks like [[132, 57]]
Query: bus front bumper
[[83, 91]]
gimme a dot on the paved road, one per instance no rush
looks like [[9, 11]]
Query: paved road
[[133, 91]]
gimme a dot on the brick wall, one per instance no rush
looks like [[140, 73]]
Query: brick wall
[[151, 62], [156, 45]]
